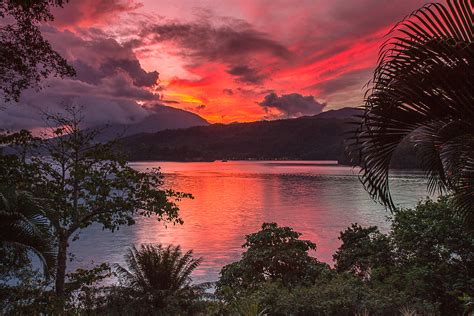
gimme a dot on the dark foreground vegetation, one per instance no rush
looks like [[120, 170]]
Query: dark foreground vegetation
[[424, 265]]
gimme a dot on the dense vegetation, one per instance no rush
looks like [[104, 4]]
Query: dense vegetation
[[424, 264], [57, 187]]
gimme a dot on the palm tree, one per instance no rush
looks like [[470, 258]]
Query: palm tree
[[158, 276], [422, 91], [23, 226]]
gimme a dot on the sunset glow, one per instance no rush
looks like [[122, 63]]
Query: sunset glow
[[218, 59]]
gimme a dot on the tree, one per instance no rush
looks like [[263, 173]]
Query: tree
[[157, 278], [423, 90], [433, 246], [273, 254], [426, 260], [23, 228], [25, 56], [81, 182], [363, 249]]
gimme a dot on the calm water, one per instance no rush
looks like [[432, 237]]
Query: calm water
[[234, 198]]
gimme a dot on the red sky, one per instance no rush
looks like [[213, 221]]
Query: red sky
[[227, 61]]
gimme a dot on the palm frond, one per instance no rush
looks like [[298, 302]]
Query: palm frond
[[24, 226], [159, 270], [422, 90]]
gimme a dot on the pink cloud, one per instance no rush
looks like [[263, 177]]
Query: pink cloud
[[86, 13], [227, 55]]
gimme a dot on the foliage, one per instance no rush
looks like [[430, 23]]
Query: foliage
[[81, 182], [25, 56], [157, 280], [23, 227], [273, 254], [423, 91], [425, 263], [30, 297], [427, 258], [34, 295], [85, 291], [432, 243], [361, 250]]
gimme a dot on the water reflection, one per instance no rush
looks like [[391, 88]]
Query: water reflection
[[233, 199]]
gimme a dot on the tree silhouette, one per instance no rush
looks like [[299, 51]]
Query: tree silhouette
[[81, 182], [423, 91], [26, 57], [157, 277], [24, 226]]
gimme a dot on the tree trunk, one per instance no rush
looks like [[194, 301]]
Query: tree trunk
[[61, 265]]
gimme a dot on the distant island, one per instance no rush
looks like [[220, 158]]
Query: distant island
[[318, 137]]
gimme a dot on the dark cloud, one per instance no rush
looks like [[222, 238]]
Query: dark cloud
[[99, 57], [292, 105], [223, 42], [353, 79], [132, 67], [170, 101], [228, 91], [365, 16], [197, 108], [109, 82], [234, 43], [246, 74], [120, 85]]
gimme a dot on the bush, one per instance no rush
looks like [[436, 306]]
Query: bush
[[424, 264]]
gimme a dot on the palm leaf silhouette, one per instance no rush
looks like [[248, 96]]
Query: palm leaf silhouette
[[158, 273], [23, 225], [423, 91]]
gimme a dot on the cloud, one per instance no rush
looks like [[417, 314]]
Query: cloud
[[197, 108], [234, 43], [351, 79], [246, 74], [99, 56], [222, 42], [228, 91], [170, 101], [132, 67], [322, 48], [292, 105], [91, 12], [200, 107], [30, 113], [109, 84]]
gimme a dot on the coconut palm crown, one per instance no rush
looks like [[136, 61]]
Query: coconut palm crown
[[158, 274], [422, 91]]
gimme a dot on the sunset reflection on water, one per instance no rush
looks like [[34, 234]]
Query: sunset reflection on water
[[232, 199]]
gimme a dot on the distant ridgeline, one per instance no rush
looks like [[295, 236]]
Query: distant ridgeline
[[319, 137]]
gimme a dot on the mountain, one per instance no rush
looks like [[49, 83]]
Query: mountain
[[343, 113], [321, 137], [315, 138], [162, 118]]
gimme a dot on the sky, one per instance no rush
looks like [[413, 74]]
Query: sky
[[227, 61]]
